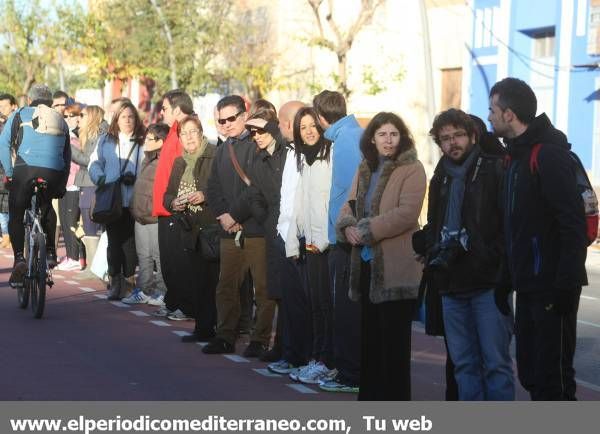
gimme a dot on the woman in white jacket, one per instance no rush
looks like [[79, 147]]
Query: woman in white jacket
[[118, 157], [307, 236]]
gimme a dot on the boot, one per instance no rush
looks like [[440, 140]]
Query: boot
[[114, 288], [127, 286], [5, 242]]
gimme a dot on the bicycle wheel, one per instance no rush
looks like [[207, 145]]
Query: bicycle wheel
[[38, 281], [23, 291]]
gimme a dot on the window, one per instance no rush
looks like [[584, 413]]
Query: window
[[543, 45]]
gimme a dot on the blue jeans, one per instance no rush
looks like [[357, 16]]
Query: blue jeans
[[4, 223], [479, 337]]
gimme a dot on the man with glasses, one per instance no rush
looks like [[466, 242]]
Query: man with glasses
[[60, 101], [242, 242], [463, 249], [176, 105]]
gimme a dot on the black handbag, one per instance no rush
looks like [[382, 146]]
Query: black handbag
[[210, 242], [109, 203]]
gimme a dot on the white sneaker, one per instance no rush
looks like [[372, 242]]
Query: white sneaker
[[157, 301], [69, 264], [302, 370], [162, 312], [136, 297], [318, 372]]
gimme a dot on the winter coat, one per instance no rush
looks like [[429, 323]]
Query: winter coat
[[109, 161], [289, 184], [192, 221], [395, 208], [82, 157], [544, 218], [225, 186], [345, 158], [141, 204], [171, 149]]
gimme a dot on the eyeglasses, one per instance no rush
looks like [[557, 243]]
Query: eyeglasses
[[453, 137], [230, 118], [58, 105], [153, 139], [190, 133], [257, 131], [72, 116]]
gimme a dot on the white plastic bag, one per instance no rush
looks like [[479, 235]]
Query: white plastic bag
[[100, 263]]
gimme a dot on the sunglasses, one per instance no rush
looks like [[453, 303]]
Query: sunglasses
[[153, 139], [230, 118], [257, 131]]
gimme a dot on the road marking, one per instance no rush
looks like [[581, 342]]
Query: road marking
[[588, 323], [139, 313], [235, 358], [86, 289], [101, 296], [58, 276], [71, 282], [588, 385], [202, 344], [266, 372], [119, 304], [301, 388], [161, 323], [181, 333], [589, 298]]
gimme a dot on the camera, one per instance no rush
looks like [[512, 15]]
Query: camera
[[128, 178], [445, 254]]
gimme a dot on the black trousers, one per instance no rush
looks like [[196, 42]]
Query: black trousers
[[121, 254], [386, 346], [204, 281], [294, 309], [68, 211], [346, 318], [321, 306], [545, 348], [167, 243], [19, 199]]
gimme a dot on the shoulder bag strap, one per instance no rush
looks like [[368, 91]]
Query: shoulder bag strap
[[236, 165], [135, 145]]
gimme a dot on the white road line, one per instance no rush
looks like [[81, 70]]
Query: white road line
[[588, 385], [71, 282], [588, 297], [86, 289], [235, 358], [161, 323], [181, 333], [57, 276], [588, 323], [101, 296], [119, 304], [138, 313], [202, 344], [266, 372], [301, 388]]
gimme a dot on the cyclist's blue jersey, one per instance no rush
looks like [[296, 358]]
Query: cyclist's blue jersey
[[36, 149]]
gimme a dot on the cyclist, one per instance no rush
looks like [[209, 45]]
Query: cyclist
[[41, 144]]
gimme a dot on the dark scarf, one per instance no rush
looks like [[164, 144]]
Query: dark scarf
[[457, 174], [311, 152]]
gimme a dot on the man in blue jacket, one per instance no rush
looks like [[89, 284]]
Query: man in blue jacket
[[545, 242], [44, 151], [345, 133]]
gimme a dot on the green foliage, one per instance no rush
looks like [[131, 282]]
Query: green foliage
[[373, 85]]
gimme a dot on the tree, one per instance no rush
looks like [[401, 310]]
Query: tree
[[341, 42]]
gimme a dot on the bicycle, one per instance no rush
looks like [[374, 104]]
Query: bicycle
[[38, 275]]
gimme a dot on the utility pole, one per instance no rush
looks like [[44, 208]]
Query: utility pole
[[434, 150]]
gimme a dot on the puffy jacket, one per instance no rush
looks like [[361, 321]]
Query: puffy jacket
[[82, 157], [544, 220], [141, 204]]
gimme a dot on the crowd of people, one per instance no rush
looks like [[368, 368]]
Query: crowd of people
[[301, 218]]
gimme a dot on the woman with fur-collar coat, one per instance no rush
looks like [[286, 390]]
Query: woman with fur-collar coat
[[378, 221]]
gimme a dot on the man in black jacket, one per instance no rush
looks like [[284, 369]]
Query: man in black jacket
[[464, 240], [242, 242], [545, 239]]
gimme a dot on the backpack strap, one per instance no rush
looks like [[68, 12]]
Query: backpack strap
[[533, 158], [16, 133]]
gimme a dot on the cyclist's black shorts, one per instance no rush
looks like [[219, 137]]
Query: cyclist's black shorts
[[20, 190]]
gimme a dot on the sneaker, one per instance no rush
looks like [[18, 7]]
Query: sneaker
[[301, 370], [159, 301], [137, 297], [255, 349], [19, 271], [281, 367], [162, 312], [317, 373], [218, 346], [178, 315], [335, 385], [68, 265]]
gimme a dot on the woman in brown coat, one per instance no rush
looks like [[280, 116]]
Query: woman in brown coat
[[378, 221]]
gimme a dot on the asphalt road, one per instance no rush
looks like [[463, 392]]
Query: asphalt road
[[86, 348]]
